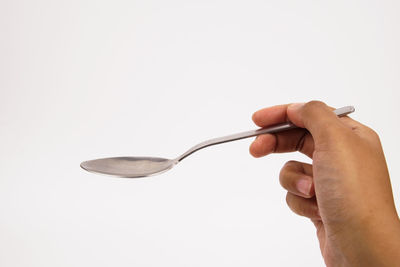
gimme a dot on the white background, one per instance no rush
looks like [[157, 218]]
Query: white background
[[83, 79]]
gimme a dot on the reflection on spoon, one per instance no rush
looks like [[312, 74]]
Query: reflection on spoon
[[135, 167]]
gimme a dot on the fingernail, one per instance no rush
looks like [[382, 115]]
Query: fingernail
[[295, 106], [304, 186]]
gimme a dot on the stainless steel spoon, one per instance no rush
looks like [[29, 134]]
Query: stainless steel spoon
[[135, 167]]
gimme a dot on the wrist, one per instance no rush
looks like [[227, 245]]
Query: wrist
[[375, 243]]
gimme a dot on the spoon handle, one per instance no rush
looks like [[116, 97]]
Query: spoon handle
[[273, 129]]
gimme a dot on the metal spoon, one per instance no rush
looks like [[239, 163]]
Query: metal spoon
[[135, 167]]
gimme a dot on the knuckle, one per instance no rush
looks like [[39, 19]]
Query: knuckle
[[284, 174], [314, 104], [290, 163], [372, 133]]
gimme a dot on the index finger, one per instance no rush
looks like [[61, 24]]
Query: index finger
[[271, 115], [288, 141]]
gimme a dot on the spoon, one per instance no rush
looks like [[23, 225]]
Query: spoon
[[136, 167]]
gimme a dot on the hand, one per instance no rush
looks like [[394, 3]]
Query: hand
[[346, 192]]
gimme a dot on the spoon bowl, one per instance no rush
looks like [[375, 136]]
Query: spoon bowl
[[129, 167]]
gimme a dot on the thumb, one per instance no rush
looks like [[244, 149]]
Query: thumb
[[318, 118]]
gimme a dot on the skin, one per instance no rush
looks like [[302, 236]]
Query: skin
[[346, 191]]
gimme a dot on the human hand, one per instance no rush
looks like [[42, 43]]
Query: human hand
[[346, 192]]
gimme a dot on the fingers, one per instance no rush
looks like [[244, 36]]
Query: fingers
[[303, 206], [263, 145], [317, 118], [297, 178], [293, 140], [299, 140], [311, 115], [270, 116]]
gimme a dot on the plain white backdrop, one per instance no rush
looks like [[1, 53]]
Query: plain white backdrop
[[83, 79]]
